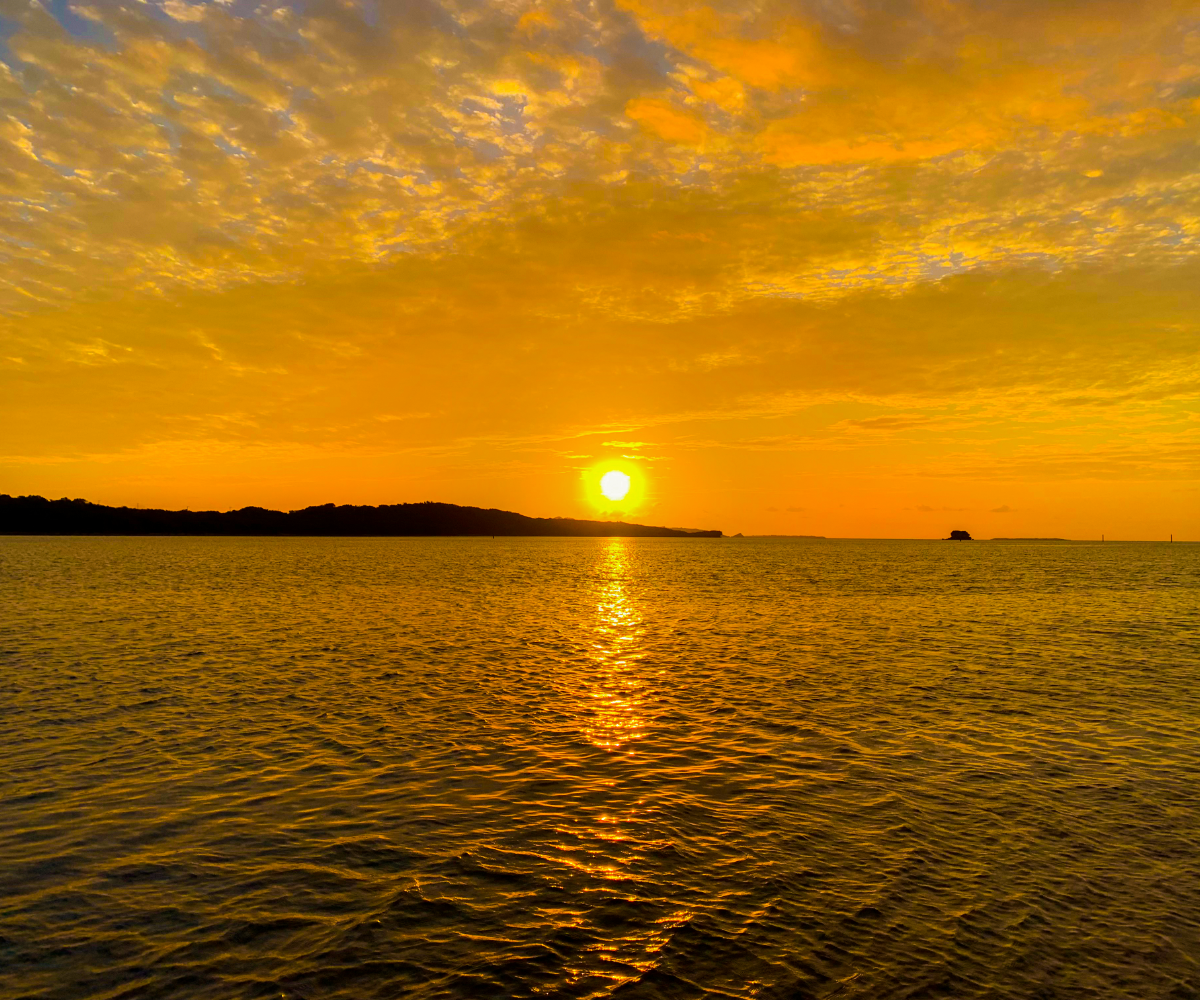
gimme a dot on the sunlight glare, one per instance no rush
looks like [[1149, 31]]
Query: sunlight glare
[[614, 485]]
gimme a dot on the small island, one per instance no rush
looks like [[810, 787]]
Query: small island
[[958, 535], [34, 515]]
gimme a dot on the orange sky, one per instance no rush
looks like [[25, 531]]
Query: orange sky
[[841, 267]]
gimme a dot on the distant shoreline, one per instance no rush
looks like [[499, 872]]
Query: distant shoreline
[[783, 536], [34, 515], [1069, 541]]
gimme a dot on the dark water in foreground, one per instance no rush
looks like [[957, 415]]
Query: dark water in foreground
[[585, 768]]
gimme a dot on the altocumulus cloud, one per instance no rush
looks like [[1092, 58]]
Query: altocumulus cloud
[[272, 209]]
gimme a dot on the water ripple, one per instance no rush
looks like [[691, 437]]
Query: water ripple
[[578, 768]]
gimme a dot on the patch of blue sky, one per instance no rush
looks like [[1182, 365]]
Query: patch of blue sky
[[78, 26], [417, 174], [73, 24], [935, 266], [508, 121], [369, 9], [484, 150], [248, 8], [190, 30], [63, 169], [211, 85], [1138, 204], [172, 129], [1175, 236], [8, 28], [719, 118], [235, 229], [196, 31], [395, 248], [454, 215], [49, 203], [228, 147], [298, 96], [931, 267], [630, 48], [17, 242], [697, 176]]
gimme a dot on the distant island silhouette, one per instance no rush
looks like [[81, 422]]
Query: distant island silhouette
[[958, 535], [1030, 539], [34, 515]]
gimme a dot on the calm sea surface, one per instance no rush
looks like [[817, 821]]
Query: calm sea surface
[[425, 768]]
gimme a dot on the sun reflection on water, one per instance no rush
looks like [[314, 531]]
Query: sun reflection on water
[[617, 690], [626, 924]]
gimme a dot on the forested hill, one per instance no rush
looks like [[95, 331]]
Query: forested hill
[[38, 516]]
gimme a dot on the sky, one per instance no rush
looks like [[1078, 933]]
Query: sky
[[872, 268]]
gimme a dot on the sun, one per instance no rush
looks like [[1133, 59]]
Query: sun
[[614, 485]]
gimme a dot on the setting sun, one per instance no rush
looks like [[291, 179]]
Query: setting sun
[[614, 485]]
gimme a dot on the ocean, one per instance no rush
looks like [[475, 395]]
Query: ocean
[[564, 768]]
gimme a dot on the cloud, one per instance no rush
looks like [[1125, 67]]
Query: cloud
[[203, 148], [1006, 509], [945, 240], [388, 418], [1172, 458], [892, 422]]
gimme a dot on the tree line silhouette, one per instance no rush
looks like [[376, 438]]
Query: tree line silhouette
[[34, 515]]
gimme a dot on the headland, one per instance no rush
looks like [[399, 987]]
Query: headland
[[34, 515]]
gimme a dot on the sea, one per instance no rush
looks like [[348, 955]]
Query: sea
[[566, 768]]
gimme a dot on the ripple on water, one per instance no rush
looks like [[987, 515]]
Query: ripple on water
[[587, 768]]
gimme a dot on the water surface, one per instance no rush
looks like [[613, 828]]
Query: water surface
[[427, 768]]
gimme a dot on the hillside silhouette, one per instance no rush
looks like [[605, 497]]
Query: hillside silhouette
[[35, 515]]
